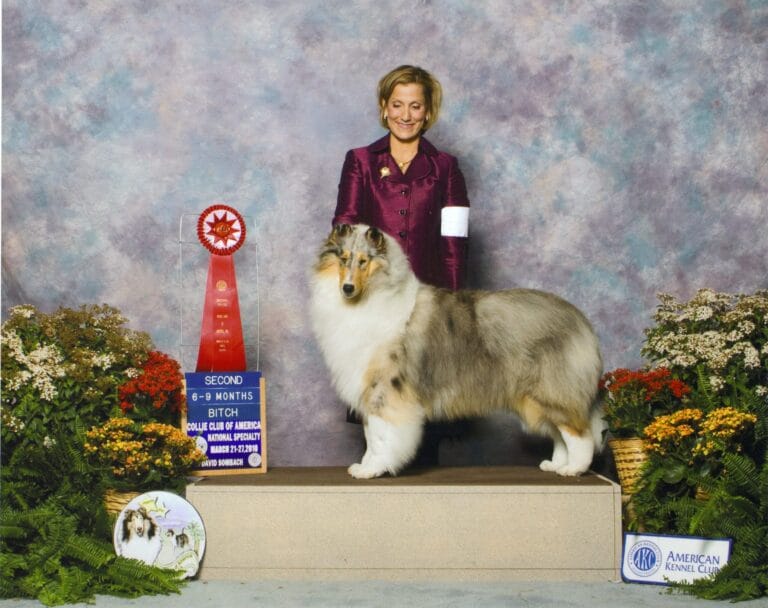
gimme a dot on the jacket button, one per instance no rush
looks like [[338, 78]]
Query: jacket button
[[404, 192], [403, 212], [402, 234]]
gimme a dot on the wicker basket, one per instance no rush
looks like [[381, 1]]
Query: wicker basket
[[115, 501], [629, 456]]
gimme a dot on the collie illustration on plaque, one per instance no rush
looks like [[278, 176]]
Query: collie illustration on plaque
[[161, 529]]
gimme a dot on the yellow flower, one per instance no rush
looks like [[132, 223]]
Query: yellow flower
[[131, 449], [667, 432]]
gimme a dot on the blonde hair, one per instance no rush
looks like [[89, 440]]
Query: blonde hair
[[409, 74]]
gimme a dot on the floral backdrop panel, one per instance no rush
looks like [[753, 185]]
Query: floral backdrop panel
[[611, 150]]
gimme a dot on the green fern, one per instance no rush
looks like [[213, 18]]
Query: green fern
[[131, 578], [743, 472], [734, 582], [54, 533], [91, 551], [704, 389]]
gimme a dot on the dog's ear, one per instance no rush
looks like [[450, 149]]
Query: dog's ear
[[333, 244], [126, 535], [152, 529], [339, 232], [375, 237]]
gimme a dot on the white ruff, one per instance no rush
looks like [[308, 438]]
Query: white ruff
[[351, 333], [141, 548]]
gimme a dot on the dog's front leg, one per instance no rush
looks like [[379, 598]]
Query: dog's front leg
[[389, 446]]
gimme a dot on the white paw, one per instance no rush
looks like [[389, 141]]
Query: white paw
[[360, 471], [570, 470], [547, 465]]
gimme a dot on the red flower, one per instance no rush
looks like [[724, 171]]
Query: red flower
[[158, 387], [679, 388], [634, 398], [650, 385]]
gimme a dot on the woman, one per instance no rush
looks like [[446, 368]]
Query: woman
[[406, 187]]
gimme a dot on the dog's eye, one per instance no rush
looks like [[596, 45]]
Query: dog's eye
[[362, 262], [343, 256]]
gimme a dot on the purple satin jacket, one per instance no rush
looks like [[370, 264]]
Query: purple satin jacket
[[374, 191]]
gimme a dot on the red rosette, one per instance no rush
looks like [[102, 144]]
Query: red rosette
[[221, 229]]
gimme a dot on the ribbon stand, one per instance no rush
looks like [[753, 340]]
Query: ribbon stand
[[221, 230]]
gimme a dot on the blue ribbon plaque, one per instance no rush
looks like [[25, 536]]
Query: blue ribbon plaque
[[225, 415]]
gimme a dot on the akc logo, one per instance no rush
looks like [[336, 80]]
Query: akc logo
[[644, 558]]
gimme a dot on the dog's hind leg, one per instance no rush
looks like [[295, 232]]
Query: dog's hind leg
[[389, 446], [580, 449], [559, 454]]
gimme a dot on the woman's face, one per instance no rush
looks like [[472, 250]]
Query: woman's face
[[406, 111]]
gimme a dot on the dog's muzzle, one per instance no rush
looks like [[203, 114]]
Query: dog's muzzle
[[348, 289]]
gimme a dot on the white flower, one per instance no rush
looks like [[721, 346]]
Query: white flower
[[103, 361], [13, 423], [733, 345], [24, 311], [19, 380], [702, 313], [706, 295], [684, 361], [717, 383], [751, 356], [744, 329], [43, 355], [13, 342], [42, 365]]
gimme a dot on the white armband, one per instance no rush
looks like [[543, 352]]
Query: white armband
[[454, 221]]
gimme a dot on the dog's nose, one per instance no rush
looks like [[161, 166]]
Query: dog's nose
[[348, 289]]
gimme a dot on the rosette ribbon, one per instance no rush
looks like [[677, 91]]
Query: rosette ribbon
[[221, 230]]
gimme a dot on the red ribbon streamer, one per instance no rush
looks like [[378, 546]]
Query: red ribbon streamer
[[222, 348]]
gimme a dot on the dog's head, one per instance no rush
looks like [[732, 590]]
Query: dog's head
[[138, 522], [355, 255]]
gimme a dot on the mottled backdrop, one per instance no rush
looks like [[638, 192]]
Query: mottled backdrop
[[612, 150]]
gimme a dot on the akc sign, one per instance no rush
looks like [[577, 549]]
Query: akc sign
[[661, 559], [226, 416]]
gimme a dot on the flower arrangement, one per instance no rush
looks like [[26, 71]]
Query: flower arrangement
[[142, 456], [706, 471], [61, 374], [633, 398], [155, 392]]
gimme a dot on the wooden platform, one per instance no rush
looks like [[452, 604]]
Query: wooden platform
[[474, 523]]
